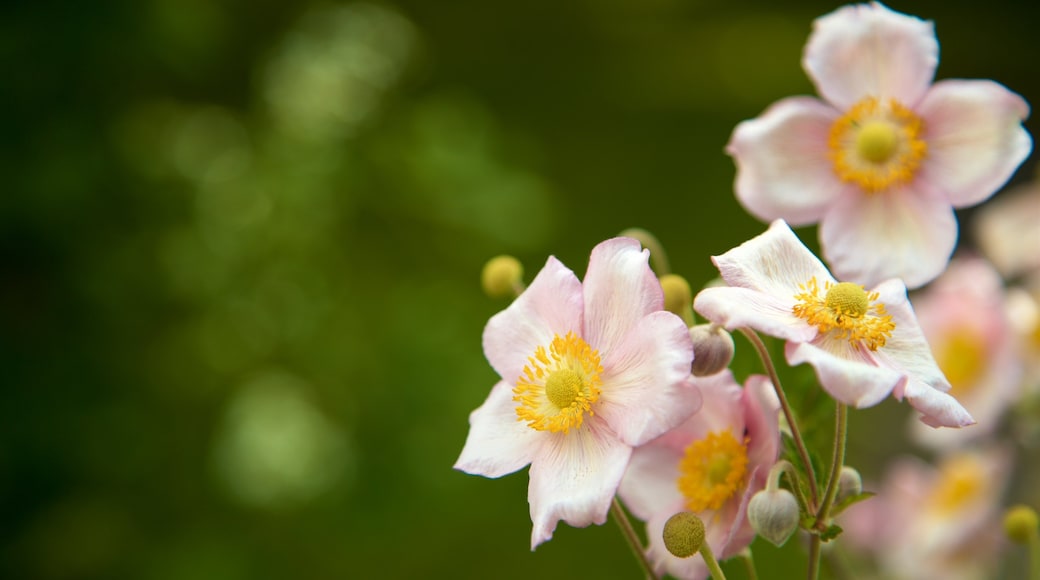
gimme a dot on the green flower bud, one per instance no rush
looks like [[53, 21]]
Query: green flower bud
[[1020, 524], [683, 534], [502, 276], [849, 484], [774, 515], [712, 349], [678, 297]]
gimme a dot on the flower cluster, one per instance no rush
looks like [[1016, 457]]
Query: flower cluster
[[610, 388]]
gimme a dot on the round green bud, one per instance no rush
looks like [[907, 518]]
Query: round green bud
[[712, 349], [683, 534], [1020, 524], [501, 276], [677, 294], [774, 515], [849, 484]]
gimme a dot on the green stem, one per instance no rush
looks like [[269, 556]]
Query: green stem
[[630, 536], [749, 562], [837, 461], [799, 443], [1034, 555], [713, 565], [814, 556]]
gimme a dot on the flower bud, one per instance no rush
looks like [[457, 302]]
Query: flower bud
[[1020, 524], [774, 514], [849, 484], [502, 277], [712, 349], [683, 534], [678, 297]]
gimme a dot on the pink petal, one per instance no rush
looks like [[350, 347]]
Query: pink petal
[[761, 416], [783, 168], [899, 233], [844, 372], [649, 485], [498, 443], [620, 289], [646, 390], [975, 138], [574, 479], [938, 409], [863, 50], [552, 304], [907, 350], [739, 307], [775, 262]]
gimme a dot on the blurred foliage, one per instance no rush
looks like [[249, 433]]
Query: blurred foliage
[[240, 246]]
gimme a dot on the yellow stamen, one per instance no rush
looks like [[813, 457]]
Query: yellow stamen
[[712, 470], [877, 144], [847, 310], [961, 355], [559, 385]]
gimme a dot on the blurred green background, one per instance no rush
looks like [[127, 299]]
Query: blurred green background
[[240, 246]]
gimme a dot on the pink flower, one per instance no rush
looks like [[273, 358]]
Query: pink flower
[[589, 371], [863, 344], [711, 464], [964, 317], [1007, 230], [885, 157]]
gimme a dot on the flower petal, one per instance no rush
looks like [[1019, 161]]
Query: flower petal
[[845, 372], [498, 443], [775, 262], [938, 409], [574, 479], [900, 233], [865, 50], [761, 416], [907, 350], [738, 307], [620, 289], [783, 164], [649, 485], [552, 304], [646, 390], [975, 138]]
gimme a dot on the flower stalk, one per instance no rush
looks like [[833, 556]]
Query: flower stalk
[[631, 538]]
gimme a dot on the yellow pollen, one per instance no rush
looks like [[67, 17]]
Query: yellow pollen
[[559, 385], [876, 144], [847, 311], [712, 470], [961, 355], [960, 482]]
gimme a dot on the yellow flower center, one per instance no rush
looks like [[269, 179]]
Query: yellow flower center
[[961, 481], [847, 311], [961, 355], [712, 470], [876, 144], [559, 385]]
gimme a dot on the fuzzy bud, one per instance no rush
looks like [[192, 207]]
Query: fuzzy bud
[[683, 534], [712, 349], [849, 484], [678, 297], [1020, 524], [502, 277], [774, 514]]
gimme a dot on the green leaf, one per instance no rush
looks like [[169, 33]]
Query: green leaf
[[852, 499], [832, 531]]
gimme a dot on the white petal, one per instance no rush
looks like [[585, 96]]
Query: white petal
[[783, 165], [901, 233], [574, 479], [649, 486], [775, 262], [868, 50], [844, 371], [498, 443], [552, 304], [938, 409], [620, 289], [975, 138], [907, 350], [739, 307]]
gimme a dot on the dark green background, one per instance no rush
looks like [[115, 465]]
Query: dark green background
[[237, 344]]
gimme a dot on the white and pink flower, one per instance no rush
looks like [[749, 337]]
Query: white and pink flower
[[882, 161], [864, 345], [589, 371], [711, 465]]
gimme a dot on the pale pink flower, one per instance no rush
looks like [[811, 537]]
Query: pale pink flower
[[882, 161], [964, 316], [934, 522], [589, 371], [863, 344], [711, 465], [1007, 229]]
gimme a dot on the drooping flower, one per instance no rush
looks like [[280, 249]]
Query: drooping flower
[[863, 344], [964, 317], [711, 465], [588, 371], [881, 162], [934, 522]]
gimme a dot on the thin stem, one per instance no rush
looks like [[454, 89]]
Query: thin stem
[[799, 443], [749, 562], [713, 564], [814, 556], [837, 460], [631, 538], [1034, 555]]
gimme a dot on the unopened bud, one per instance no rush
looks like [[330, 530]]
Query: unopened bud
[[502, 276], [712, 349], [774, 514], [849, 484], [1020, 524], [683, 534]]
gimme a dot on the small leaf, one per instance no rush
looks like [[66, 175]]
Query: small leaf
[[852, 499], [832, 531]]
